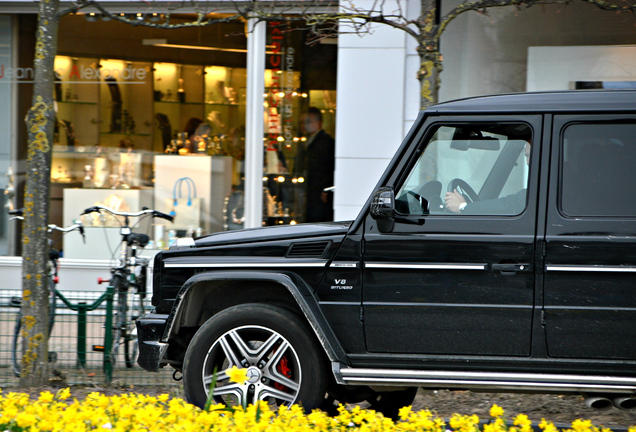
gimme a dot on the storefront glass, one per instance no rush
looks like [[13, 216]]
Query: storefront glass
[[300, 77], [133, 122], [6, 90], [156, 118]]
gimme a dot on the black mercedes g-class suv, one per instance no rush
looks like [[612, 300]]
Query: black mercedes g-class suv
[[497, 253]]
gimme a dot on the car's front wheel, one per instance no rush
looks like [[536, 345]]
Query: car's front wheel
[[285, 365]]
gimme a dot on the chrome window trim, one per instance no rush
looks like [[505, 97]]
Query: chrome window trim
[[243, 265], [459, 305], [583, 268], [432, 266]]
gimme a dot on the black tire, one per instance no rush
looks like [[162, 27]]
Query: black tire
[[295, 374], [130, 345], [16, 348], [118, 330], [389, 403], [131, 358]]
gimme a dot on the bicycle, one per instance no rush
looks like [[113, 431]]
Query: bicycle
[[54, 255], [129, 272]]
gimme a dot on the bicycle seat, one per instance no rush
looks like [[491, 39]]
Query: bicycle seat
[[54, 254], [138, 239]]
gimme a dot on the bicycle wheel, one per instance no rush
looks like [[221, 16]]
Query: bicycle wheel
[[134, 342], [122, 331], [130, 338], [119, 313], [118, 327], [17, 347]]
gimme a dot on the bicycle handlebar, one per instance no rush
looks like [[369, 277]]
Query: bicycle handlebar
[[144, 211], [19, 214]]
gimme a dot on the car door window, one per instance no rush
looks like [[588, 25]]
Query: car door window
[[598, 170], [481, 165]]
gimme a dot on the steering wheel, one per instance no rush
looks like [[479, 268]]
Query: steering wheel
[[464, 189]]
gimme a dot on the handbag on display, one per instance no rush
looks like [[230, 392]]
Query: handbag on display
[[186, 209]]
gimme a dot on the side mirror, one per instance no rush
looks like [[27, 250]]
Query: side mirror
[[383, 208], [383, 203]]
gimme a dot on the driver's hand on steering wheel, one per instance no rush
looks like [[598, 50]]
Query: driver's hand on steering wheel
[[453, 201]]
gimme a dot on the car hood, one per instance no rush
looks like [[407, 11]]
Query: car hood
[[274, 233]]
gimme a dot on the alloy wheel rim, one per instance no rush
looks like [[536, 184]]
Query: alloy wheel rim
[[273, 367]]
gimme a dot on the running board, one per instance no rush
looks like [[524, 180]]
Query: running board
[[484, 381]]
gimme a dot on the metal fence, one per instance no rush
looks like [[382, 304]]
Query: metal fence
[[66, 369]]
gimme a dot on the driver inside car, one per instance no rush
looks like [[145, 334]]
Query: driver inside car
[[509, 204]]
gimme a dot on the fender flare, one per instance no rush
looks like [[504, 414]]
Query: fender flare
[[300, 291]]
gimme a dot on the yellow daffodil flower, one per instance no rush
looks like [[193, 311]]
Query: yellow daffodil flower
[[237, 375], [496, 411]]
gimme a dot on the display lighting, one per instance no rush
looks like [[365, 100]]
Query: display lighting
[[304, 95], [280, 139], [265, 179], [281, 94], [165, 44], [281, 179], [92, 17], [154, 17], [139, 17], [301, 180], [293, 222]]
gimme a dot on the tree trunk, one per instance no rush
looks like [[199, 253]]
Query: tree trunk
[[428, 50], [40, 123], [428, 75]]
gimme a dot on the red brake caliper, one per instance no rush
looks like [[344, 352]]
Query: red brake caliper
[[284, 370]]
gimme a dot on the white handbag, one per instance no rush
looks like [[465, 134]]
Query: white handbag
[[185, 209]]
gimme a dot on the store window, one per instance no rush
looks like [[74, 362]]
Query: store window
[[156, 118], [7, 179], [147, 118], [300, 107]]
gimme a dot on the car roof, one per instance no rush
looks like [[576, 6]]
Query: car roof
[[598, 101]]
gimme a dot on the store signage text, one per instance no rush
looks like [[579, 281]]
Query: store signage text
[[88, 73], [78, 73], [281, 63], [16, 73]]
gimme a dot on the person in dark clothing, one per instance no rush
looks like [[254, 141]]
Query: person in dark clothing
[[316, 162]]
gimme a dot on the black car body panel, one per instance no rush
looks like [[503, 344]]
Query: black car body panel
[[534, 293]]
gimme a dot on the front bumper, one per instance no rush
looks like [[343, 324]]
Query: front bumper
[[150, 328]]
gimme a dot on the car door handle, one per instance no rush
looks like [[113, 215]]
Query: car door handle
[[511, 268]]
